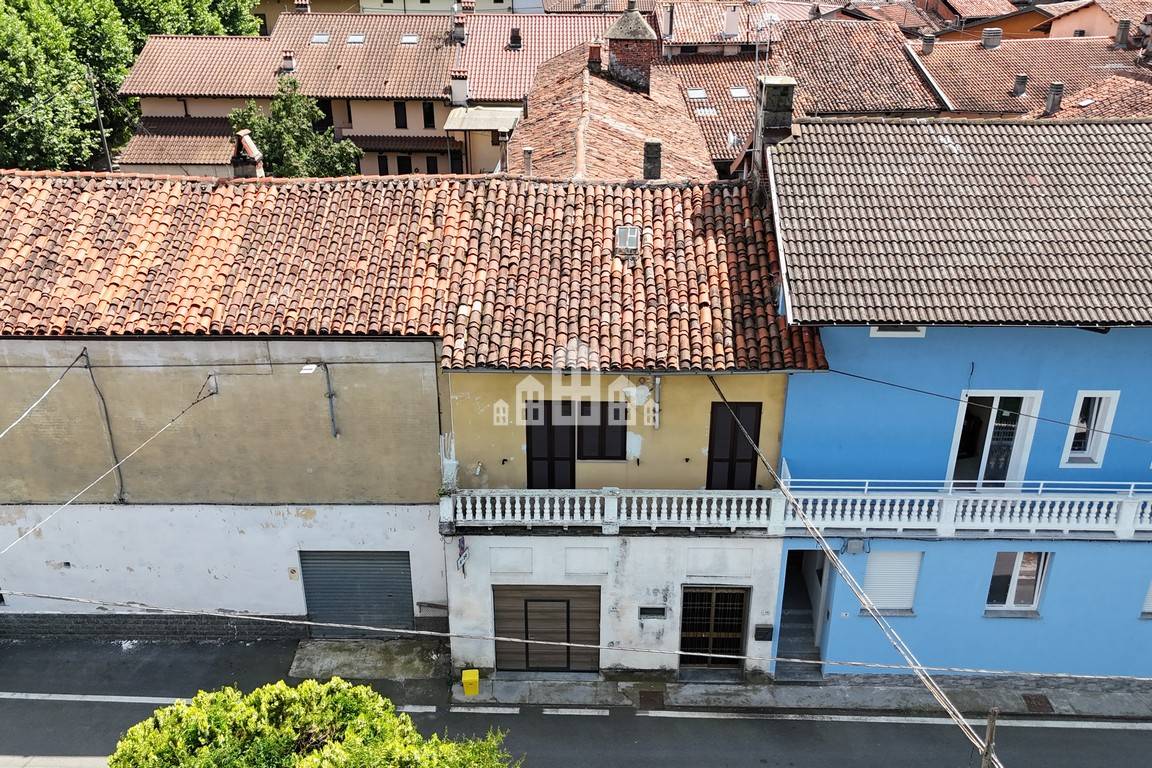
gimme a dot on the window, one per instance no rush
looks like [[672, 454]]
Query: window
[[400, 109], [1147, 610], [890, 580], [409, 39], [649, 612], [627, 239], [689, 49], [897, 332], [1079, 33], [1088, 432], [356, 38], [320, 38], [738, 92], [383, 159], [403, 164], [602, 430], [1017, 579], [263, 19], [993, 438], [429, 114], [432, 164], [697, 93]]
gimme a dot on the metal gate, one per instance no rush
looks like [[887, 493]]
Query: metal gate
[[368, 588], [713, 621]]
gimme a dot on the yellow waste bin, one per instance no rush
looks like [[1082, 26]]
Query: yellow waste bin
[[470, 679]]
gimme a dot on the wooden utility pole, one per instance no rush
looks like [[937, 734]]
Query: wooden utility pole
[[988, 755]]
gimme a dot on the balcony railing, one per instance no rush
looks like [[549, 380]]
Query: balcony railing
[[1111, 510]]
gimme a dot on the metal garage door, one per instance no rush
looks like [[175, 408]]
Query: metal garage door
[[369, 588]]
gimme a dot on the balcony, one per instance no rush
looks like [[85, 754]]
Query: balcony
[[838, 507]]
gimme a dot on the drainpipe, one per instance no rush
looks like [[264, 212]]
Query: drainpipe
[[656, 381]]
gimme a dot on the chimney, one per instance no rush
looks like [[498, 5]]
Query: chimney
[[528, 160], [1123, 33], [594, 58], [927, 43], [459, 83], [632, 48], [652, 158], [774, 97], [467, 6], [288, 63], [1055, 95], [731, 21], [459, 35], [303, 6], [515, 41], [247, 159], [814, 12], [1021, 85], [990, 38], [631, 6], [669, 14]]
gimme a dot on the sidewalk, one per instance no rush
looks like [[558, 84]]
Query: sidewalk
[[1035, 697]]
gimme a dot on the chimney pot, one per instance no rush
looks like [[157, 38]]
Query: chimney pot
[[1055, 95], [631, 5], [814, 11], [514, 38], [775, 96], [594, 60], [1123, 33], [731, 21], [458, 80], [468, 6], [991, 36], [247, 159], [459, 33], [652, 151], [288, 63], [927, 43], [1021, 85], [303, 6], [528, 160]]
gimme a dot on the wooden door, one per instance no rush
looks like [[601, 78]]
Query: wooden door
[[731, 458]]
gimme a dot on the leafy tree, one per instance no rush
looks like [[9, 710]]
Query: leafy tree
[[314, 725], [236, 16], [187, 17], [288, 137], [45, 102]]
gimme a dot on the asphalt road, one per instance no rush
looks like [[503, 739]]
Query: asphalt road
[[51, 725]]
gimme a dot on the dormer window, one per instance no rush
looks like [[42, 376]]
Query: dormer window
[[356, 38], [627, 239], [321, 38]]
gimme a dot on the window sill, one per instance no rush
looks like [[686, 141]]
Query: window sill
[[1010, 613], [890, 612], [1084, 462], [1146, 615]]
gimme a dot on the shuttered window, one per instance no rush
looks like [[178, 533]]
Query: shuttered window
[[1148, 601], [891, 579]]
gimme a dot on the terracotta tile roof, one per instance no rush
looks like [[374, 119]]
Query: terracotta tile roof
[[977, 79], [379, 68], [180, 141], [596, 6], [507, 272], [408, 143], [1133, 10], [582, 125], [903, 13], [980, 9], [841, 67], [498, 73], [974, 222], [1055, 10], [1114, 97], [701, 22]]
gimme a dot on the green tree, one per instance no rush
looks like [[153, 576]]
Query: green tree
[[45, 102], [288, 137], [314, 725], [186, 17]]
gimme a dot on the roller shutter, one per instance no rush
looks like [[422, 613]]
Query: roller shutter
[[891, 579], [368, 588]]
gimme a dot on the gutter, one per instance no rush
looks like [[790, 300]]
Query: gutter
[[778, 224], [928, 78]]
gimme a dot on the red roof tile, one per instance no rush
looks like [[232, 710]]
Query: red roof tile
[[507, 272], [582, 125], [180, 141], [1119, 96], [596, 6], [980, 9], [978, 79], [700, 22], [903, 13]]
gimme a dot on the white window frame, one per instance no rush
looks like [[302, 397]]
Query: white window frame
[[1093, 458], [905, 332], [1029, 409], [1146, 609], [1041, 581], [870, 574]]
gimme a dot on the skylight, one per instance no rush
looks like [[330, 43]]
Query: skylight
[[627, 239], [706, 111], [697, 93], [739, 92], [321, 38], [409, 39], [356, 38]]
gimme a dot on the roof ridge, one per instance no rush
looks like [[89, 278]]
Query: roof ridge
[[579, 162]]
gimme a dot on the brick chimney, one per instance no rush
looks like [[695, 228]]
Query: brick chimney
[[247, 159], [288, 63], [459, 33], [459, 83], [774, 102], [990, 37], [594, 60], [652, 153], [731, 21], [1123, 33], [303, 6], [632, 47]]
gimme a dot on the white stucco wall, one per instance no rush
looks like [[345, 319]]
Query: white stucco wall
[[231, 557], [631, 571]]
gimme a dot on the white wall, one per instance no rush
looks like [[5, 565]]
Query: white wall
[[237, 558], [631, 571]]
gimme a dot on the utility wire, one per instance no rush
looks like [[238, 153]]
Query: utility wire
[[953, 398], [833, 556], [560, 643], [200, 397], [71, 365]]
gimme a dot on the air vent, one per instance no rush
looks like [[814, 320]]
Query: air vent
[[653, 612]]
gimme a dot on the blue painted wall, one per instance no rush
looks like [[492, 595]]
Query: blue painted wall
[[1089, 613], [838, 427]]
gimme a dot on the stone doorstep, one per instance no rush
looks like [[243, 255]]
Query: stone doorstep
[[830, 698]]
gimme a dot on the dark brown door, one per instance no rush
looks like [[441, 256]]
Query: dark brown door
[[551, 445], [712, 622], [549, 621], [731, 458], [554, 614]]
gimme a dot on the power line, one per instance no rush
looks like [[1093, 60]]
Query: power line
[[889, 631], [10, 427], [200, 397], [135, 605], [1009, 411]]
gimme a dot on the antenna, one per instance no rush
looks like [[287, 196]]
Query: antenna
[[99, 116]]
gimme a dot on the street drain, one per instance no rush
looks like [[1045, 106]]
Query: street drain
[[651, 699], [1038, 704]]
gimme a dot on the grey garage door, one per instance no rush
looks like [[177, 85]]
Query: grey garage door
[[368, 588]]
